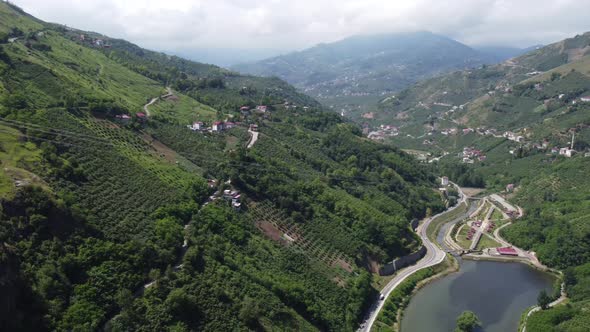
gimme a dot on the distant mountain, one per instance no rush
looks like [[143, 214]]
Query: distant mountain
[[226, 57], [362, 68], [422, 101], [501, 53]]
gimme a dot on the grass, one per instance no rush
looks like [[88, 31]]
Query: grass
[[183, 110], [462, 237], [14, 158], [487, 242], [497, 215]]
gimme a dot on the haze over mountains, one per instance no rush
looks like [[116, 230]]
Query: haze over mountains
[[360, 69]]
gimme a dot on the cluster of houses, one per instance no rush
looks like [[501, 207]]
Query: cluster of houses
[[97, 42], [470, 155], [513, 137], [382, 132], [216, 127], [233, 196], [260, 109], [228, 195], [220, 126]]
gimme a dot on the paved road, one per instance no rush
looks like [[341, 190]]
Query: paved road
[[253, 139], [434, 255]]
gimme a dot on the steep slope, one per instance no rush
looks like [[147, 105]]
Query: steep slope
[[413, 106], [362, 68], [107, 220], [518, 131]]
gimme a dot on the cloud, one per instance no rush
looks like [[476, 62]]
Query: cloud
[[285, 24]]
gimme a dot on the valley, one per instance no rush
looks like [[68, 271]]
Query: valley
[[381, 182]]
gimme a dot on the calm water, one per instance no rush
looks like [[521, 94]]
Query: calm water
[[498, 293]]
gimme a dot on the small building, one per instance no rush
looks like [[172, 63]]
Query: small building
[[444, 181], [123, 117], [244, 108], [218, 126], [567, 152], [141, 116], [585, 99], [197, 125], [261, 108], [507, 251], [229, 125], [510, 187], [254, 127]]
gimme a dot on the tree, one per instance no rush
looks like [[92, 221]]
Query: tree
[[543, 300], [467, 322]]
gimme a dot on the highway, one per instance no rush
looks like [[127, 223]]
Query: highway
[[434, 255]]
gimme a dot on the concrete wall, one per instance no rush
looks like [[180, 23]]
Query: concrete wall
[[389, 269]]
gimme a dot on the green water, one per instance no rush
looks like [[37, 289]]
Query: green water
[[498, 293]]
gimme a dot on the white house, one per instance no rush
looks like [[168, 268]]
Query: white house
[[444, 181], [217, 126], [197, 125]]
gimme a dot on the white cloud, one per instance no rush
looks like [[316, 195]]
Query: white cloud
[[287, 24]]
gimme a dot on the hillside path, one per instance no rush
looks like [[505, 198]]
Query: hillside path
[[253, 138], [155, 99]]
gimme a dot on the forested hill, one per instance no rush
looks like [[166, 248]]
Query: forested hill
[[117, 216], [359, 70], [430, 99]]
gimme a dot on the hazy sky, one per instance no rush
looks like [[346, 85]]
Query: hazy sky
[[174, 25]]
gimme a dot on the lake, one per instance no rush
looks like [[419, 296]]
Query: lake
[[497, 292]]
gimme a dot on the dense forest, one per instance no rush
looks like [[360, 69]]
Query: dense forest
[[119, 223]]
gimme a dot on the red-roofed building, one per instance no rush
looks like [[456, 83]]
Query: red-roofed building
[[507, 251], [261, 108]]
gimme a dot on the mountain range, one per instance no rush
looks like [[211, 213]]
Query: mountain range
[[359, 70]]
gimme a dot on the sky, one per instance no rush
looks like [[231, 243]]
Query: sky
[[267, 26]]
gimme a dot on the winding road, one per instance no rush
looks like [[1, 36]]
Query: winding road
[[434, 255], [155, 99]]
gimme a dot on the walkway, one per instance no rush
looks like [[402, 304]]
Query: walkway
[[155, 99]]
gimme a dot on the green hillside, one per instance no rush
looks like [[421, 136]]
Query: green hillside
[[431, 98], [107, 222], [545, 109]]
